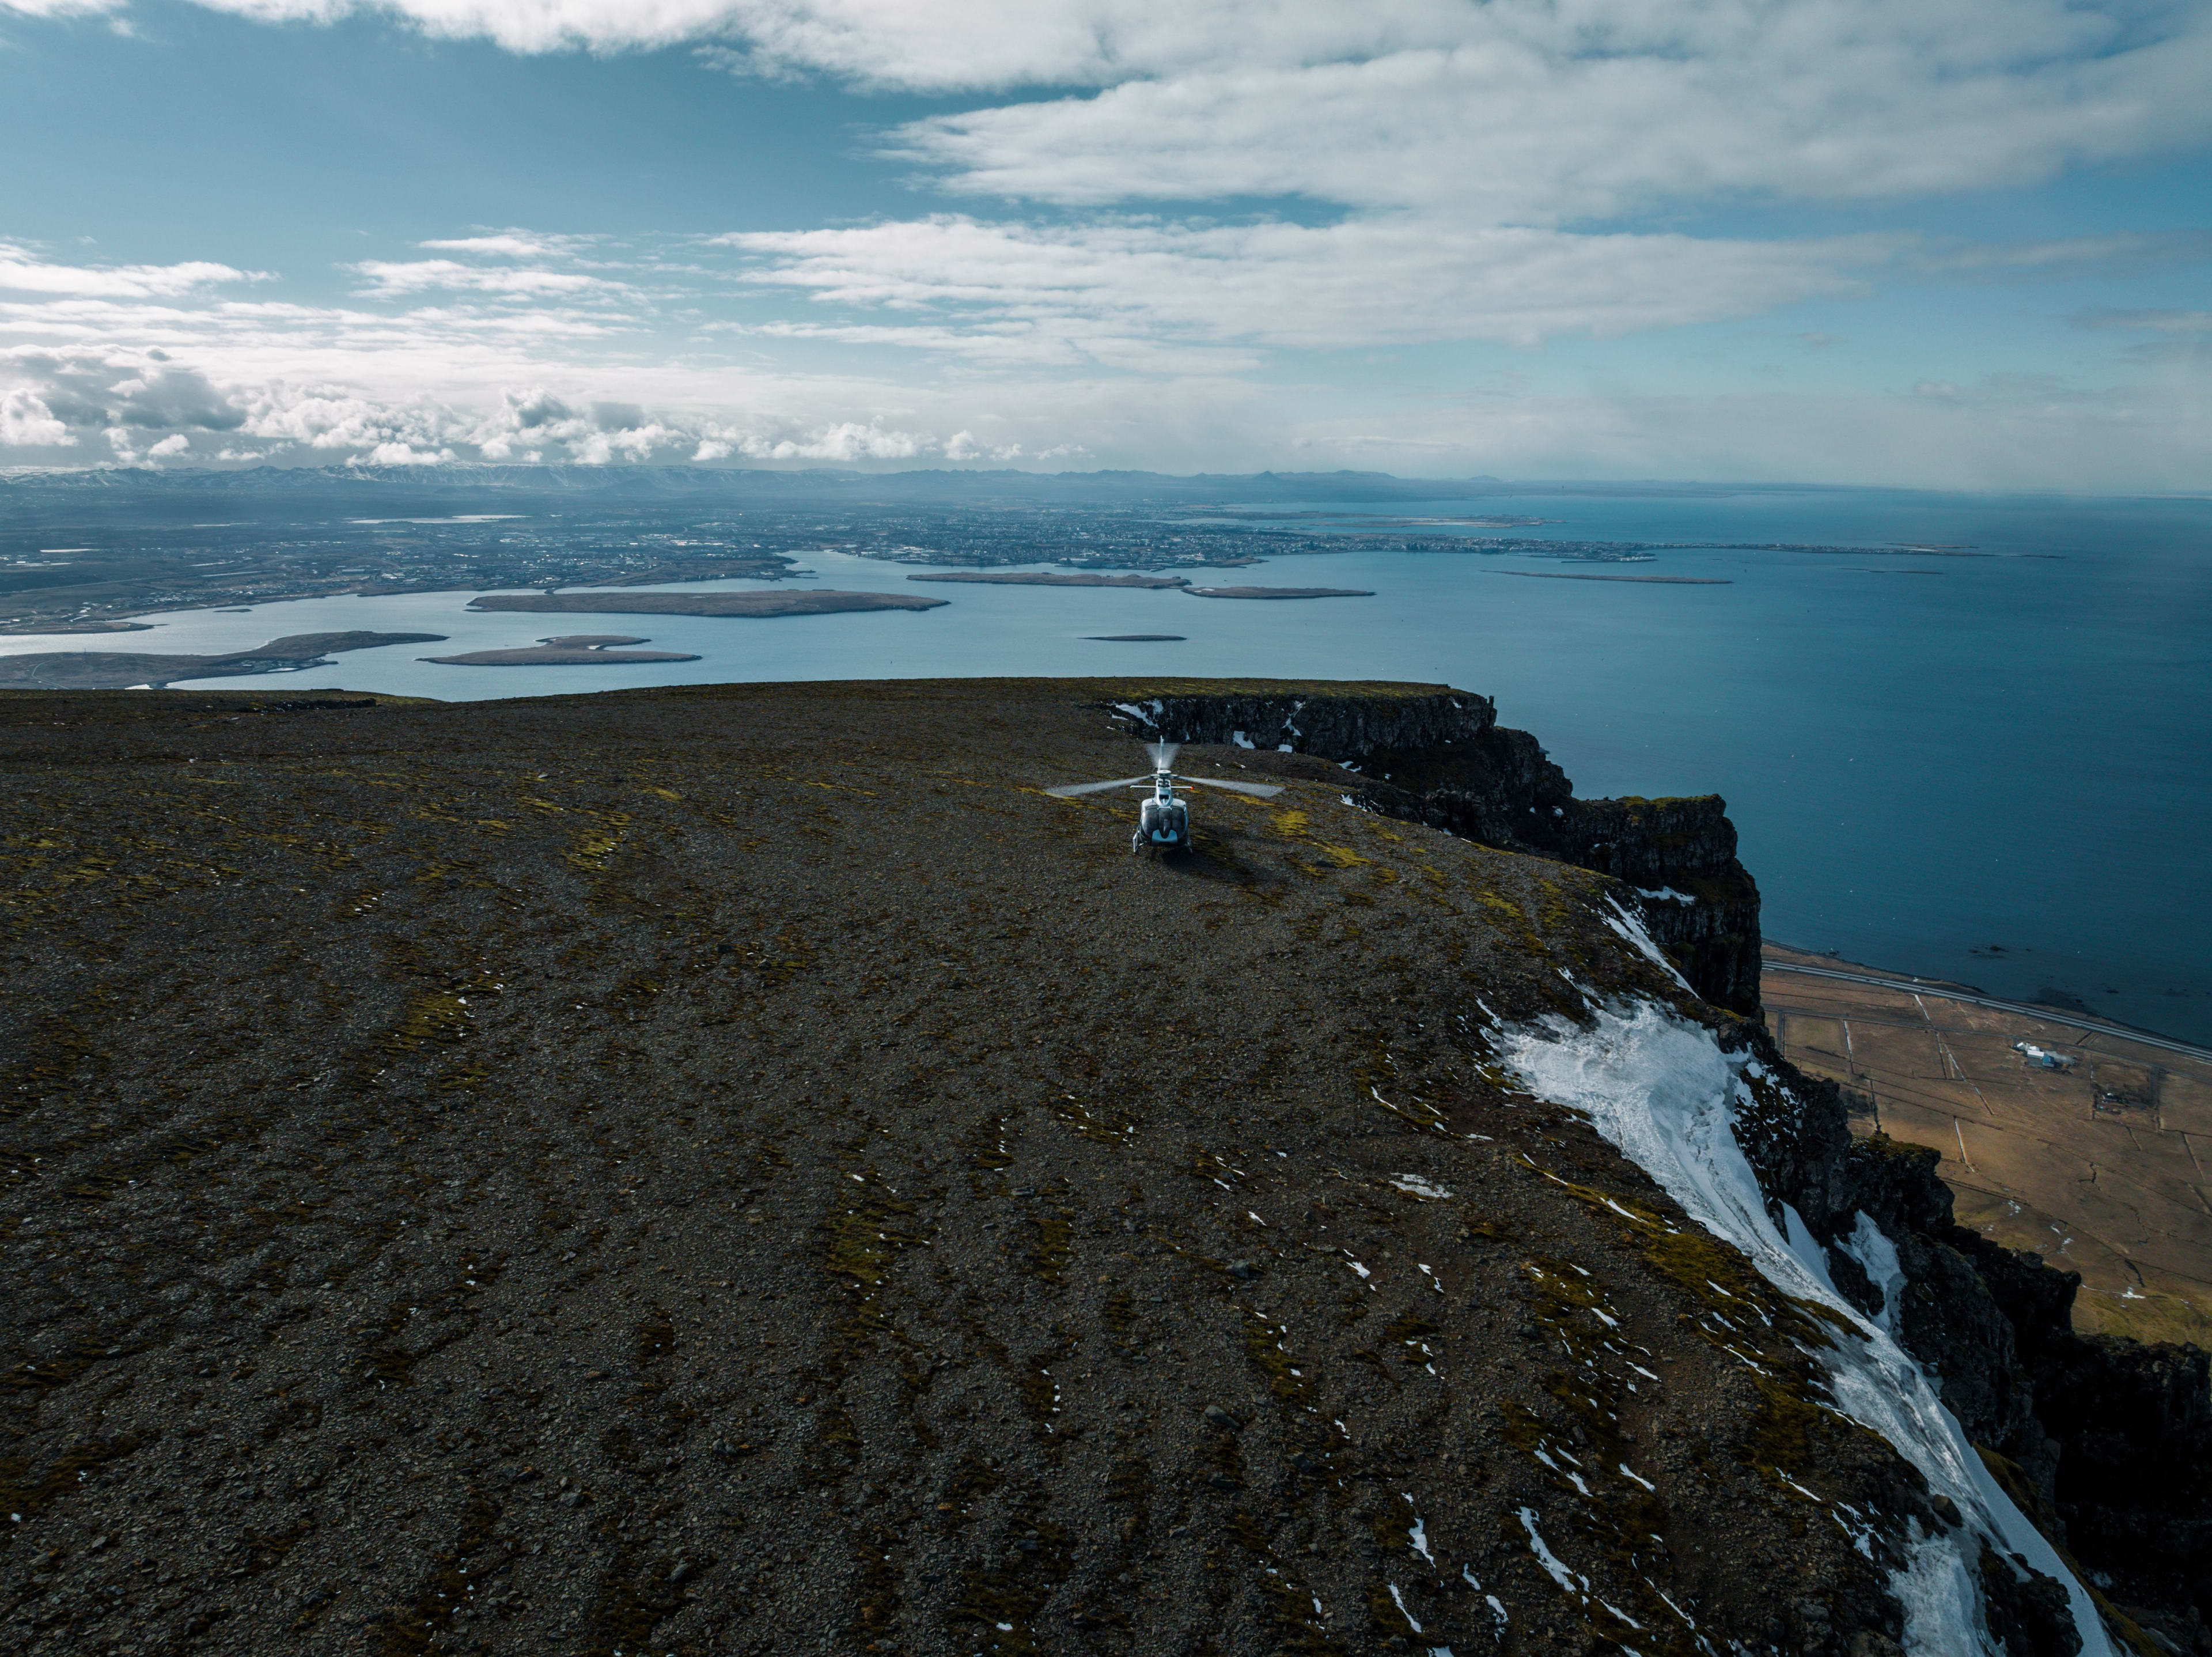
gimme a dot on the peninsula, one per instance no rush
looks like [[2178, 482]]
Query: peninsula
[[115, 670], [1277, 592], [1647, 581], [1045, 578], [568, 650], [805, 601]]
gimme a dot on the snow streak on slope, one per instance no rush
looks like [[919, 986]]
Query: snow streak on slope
[[1660, 1088]]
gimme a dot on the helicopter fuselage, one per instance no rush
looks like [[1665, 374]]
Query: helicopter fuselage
[[1164, 819], [1164, 824]]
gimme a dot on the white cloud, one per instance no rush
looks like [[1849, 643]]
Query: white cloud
[[1519, 111], [2125, 254], [60, 8], [1512, 171], [145, 390], [507, 244], [846, 440], [1999, 433], [1117, 290], [1547, 114], [386, 278], [1064, 341], [26, 422], [24, 273], [1121, 342], [966, 446], [526, 26], [2174, 336], [149, 405]]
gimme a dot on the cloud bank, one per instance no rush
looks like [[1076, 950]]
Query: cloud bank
[[1188, 208]]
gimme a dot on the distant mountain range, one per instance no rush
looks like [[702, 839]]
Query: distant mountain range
[[400, 489]]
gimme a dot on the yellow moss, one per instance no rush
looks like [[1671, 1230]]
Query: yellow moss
[[437, 1015], [1263, 1344], [1782, 1428], [1055, 1246]]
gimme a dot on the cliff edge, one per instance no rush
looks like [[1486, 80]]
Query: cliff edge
[[1435, 755]]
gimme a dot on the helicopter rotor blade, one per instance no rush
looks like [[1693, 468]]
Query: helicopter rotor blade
[[1262, 791], [1163, 754], [1070, 790]]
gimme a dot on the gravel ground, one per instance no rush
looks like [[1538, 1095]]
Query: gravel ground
[[739, 1170]]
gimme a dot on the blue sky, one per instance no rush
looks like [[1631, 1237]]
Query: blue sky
[[1949, 243]]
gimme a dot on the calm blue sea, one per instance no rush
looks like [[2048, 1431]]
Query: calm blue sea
[[1995, 768]]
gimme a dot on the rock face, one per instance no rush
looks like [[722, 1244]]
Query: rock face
[[1441, 757], [2106, 1443]]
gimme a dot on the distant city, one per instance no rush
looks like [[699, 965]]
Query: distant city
[[84, 553]]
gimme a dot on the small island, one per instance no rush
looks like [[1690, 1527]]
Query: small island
[[1277, 593], [122, 670], [565, 650], [1648, 581], [816, 601], [1135, 639], [1049, 578]]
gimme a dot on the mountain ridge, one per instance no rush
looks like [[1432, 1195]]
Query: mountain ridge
[[728, 1166]]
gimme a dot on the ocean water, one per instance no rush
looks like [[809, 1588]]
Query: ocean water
[[1993, 765]]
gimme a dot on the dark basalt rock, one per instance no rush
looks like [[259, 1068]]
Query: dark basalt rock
[[2105, 1442], [2134, 1485], [2026, 1612], [1686, 846], [1442, 758]]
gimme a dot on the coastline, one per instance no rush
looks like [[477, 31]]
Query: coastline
[[2058, 1133], [1823, 961]]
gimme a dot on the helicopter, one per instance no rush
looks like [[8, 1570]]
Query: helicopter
[[1164, 824]]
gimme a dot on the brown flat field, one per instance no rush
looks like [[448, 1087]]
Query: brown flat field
[[2100, 1168]]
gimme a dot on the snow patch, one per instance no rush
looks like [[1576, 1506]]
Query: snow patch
[[1419, 1536], [1633, 929], [1665, 894], [1414, 1184], [1660, 1088], [1402, 1611], [1877, 1257], [1942, 1608], [1550, 1561]]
